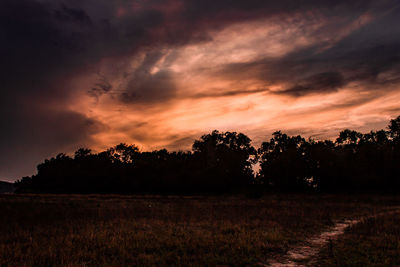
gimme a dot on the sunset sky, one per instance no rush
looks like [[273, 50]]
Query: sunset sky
[[160, 73]]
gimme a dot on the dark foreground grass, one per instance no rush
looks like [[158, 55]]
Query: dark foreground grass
[[39, 230], [372, 242]]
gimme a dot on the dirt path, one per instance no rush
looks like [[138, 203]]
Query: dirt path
[[304, 254]]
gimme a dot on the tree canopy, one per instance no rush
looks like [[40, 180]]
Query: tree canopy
[[223, 162]]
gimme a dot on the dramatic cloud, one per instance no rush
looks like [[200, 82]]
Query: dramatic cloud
[[161, 73]]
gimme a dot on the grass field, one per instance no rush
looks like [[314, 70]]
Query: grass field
[[50, 230], [372, 242]]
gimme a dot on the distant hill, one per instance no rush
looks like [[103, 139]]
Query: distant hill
[[6, 187]]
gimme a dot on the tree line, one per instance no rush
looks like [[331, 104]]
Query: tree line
[[222, 162]]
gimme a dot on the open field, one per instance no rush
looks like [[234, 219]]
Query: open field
[[95, 230]]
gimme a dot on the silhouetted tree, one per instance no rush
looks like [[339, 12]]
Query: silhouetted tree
[[225, 160], [394, 128], [82, 153], [284, 165], [124, 153], [221, 162]]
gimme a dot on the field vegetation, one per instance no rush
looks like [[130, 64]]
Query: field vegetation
[[116, 230], [372, 242]]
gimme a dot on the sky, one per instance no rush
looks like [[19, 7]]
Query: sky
[[161, 73]]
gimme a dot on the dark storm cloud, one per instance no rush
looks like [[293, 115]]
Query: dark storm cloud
[[102, 86], [150, 88], [363, 56], [53, 36], [147, 87], [72, 14], [33, 133], [44, 44], [236, 10], [39, 49], [321, 82], [196, 18], [227, 93]]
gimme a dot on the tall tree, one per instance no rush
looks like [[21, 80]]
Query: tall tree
[[226, 158]]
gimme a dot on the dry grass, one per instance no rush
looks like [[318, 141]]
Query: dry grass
[[373, 242], [39, 230]]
